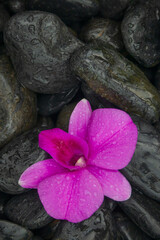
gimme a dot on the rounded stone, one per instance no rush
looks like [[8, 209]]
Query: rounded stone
[[27, 210], [9, 230], [17, 104], [140, 30], [118, 80], [40, 46], [16, 6], [17, 156]]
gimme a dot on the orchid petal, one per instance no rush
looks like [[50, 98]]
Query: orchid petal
[[37, 172], [73, 196], [114, 184], [79, 119], [112, 138], [63, 147]]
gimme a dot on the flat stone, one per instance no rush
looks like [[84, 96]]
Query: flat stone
[[17, 156], [27, 210], [17, 104], [103, 32], [118, 80], [127, 229], [144, 169], [140, 30], [67, 10], [40, 46], [9, 230], [144, 212]]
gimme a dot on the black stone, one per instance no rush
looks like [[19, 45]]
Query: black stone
[[17, 156], [144, 212], [157, 78], [118, 80], [49, 104], [16, 6], [99, 226], [11, 231], [113, 9], [49, 230], [40, 46], [27, 210], [127, 229], [103, 32], [18, 111], [144, 169], [141, 30], [3, 200], [67, 10]]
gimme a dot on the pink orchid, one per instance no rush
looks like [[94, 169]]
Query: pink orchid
[[85, 163]]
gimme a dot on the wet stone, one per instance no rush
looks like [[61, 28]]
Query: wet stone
[[67, 10], [27, 210], [49, 230], [157, 78], [95, 100], [4, 17], [17, 104], [127, 229], [16, 6], [49, 104], [17, 156], [40, 46], [140, 30], [9, 230], [144, 212], [144, 169], [103, 31], [99, 226], [113, 9], [117, 80], [3, 200], [64, 116]]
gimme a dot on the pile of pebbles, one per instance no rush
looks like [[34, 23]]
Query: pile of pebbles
[[52, 54]]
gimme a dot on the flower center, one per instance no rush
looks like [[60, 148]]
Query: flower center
[[78, 161]]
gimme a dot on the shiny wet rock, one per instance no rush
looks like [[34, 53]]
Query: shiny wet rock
[[118, 80], [140, 31], [18, 155], [40, 46], [17, 104], [27, 210]]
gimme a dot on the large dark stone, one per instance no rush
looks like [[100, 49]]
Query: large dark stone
[[103, 31], [68, 10], [118, 80], [40, 46], [27, 210], [17, 156], [17, 104], [144, 169], [127, 229], [3, 200], [11, 231], [144, 212], [113, 9], [141, 30], [99, 226], [49, 104]]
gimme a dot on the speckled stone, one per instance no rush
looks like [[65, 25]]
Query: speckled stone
[[144, 169], [18, 155], [67, 10], [140, 30], [103, 32], [16, 6], [27, 210], [118, 80], [40, 46], [17, 104], [11, 231]]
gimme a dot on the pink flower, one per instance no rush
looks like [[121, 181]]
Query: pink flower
[[85, 163]]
